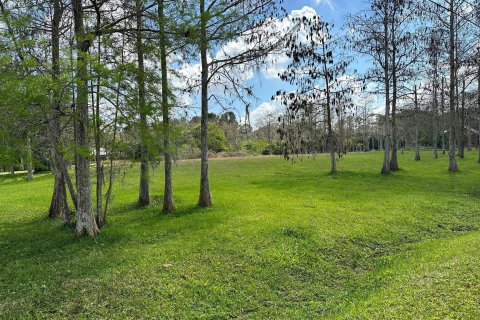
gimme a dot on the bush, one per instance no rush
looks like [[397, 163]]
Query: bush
[[217, 142], [187, 151], [272, 149], [255, 146]]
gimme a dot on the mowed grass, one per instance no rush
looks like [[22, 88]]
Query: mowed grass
[[283, 241]]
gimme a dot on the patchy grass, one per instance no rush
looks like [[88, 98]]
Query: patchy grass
[[283, 241]]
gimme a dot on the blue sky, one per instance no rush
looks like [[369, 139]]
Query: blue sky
[[265, 82], [330, 10]]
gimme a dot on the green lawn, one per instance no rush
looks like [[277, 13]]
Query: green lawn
[[283, 241]]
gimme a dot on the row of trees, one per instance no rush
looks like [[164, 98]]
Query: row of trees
[[119, 77], [424, 58], [105, 73]]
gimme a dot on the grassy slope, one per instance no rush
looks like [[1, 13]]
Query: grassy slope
[[283, 241]]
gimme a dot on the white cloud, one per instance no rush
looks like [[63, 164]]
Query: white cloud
[[327, 3], [267, 110], [275, 63], [275, 66]]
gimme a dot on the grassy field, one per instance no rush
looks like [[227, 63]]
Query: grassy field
[[283, 241]]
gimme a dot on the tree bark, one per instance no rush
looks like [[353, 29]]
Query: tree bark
[[394, 159], [461, 132], [144, 192], [442, 99], [85, 219], [205, 198], [69, 182], [435, 113], [342, 148], [101, 219], [366, 141], [468, 131], [168, 203], [330, 138], [29, 160], [478, 100], [452, 164], [417, 142], [59, 207], [458, 130]]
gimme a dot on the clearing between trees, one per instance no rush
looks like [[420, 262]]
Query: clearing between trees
[[283, 241]]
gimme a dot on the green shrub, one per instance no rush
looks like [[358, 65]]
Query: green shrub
[[217, 142]]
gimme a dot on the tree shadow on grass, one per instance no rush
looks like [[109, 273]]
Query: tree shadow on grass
[[38, 248], [22, 177], [346, 179], [154, 210]]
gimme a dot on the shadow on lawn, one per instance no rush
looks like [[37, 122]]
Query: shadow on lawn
[[133, 211], [35, 238], [17, 177], [354, 179]]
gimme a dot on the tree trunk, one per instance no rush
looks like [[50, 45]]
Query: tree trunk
[[168, 203], [341, 141], [85, 220], [461, 133], [417, 142], [435, 115], [457, 133], [468, 131], [478, 100], [68, 180], [394, 160], [458, 130], [108, 195], [59, 205], [452, 164], [101, 219], [366, 140], [144, 192], [330, 138], [442, 96], [386, 157], [29, 161], [205, 198]]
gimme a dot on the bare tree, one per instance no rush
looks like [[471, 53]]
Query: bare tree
[[316, 70]]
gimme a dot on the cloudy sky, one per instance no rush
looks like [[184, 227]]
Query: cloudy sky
[[265, 82]]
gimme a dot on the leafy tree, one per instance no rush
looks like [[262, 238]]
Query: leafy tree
[[216, 137], [221, 21]]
